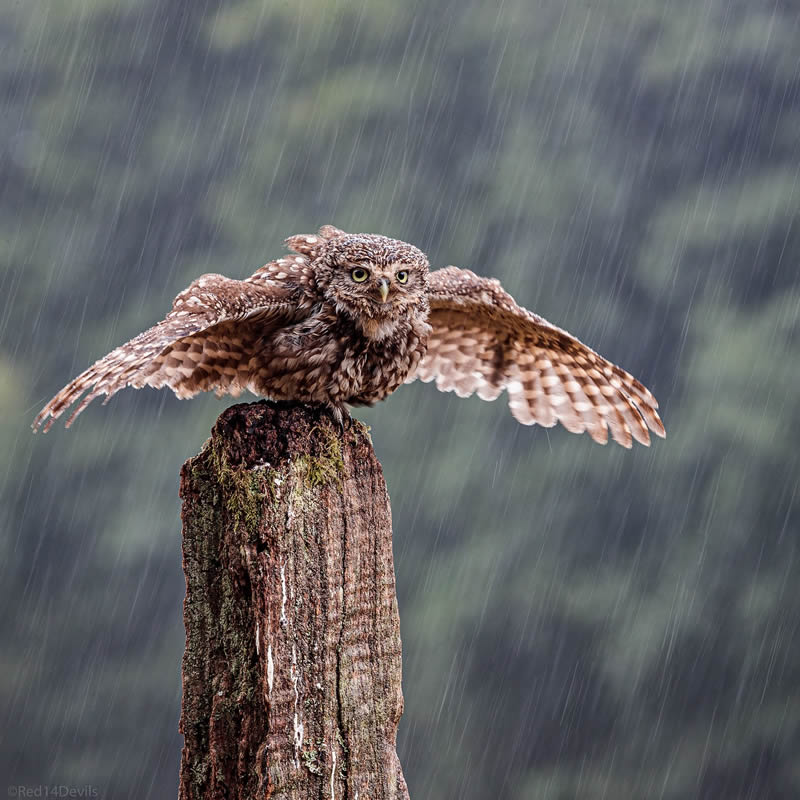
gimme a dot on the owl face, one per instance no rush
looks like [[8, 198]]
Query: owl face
[[373, 278]]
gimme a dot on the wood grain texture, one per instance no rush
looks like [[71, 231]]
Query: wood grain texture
[[292, 668]]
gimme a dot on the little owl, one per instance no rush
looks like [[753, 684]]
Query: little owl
[[349, 318]]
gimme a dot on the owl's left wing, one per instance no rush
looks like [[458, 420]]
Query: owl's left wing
[[210, 340], [483, 342]]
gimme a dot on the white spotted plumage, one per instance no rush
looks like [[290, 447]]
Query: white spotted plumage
[[300, 329]]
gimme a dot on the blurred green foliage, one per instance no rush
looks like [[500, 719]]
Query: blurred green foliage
[[578, 622]]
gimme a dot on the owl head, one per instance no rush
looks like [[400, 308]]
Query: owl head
[[375, 280]]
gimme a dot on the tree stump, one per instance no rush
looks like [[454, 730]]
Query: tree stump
[[291, 675]]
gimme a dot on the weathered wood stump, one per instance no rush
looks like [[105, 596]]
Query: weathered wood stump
[[291, 675]]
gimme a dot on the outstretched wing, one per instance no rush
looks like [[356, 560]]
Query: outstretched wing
[[207, 341], [483, 342]]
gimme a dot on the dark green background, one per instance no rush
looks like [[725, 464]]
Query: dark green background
[[578, 621]]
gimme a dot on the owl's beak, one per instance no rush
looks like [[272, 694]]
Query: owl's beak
[[384, 289]]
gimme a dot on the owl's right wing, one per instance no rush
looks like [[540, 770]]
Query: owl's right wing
[[206, 342], [483, 342]]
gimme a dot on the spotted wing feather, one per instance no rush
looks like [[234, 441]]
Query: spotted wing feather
[[482, 343], [207, 341]]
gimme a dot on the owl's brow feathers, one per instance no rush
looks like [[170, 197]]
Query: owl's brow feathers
[[282, 333], [373, 249]]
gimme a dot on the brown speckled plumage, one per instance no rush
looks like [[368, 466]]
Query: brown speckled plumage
[[303, 329]]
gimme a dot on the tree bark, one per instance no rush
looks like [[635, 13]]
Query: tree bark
[[291, 675]]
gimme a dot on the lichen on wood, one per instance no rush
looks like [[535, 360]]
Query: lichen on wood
[[291, 674]]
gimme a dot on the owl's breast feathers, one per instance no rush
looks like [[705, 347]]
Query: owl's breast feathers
[[328, 359]]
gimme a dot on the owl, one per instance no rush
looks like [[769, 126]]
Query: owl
[[346, 319]]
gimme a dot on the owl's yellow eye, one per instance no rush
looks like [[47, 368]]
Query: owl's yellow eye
[[359, 275], [402, 276]]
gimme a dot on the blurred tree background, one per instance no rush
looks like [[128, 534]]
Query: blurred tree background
[[578, 621]]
